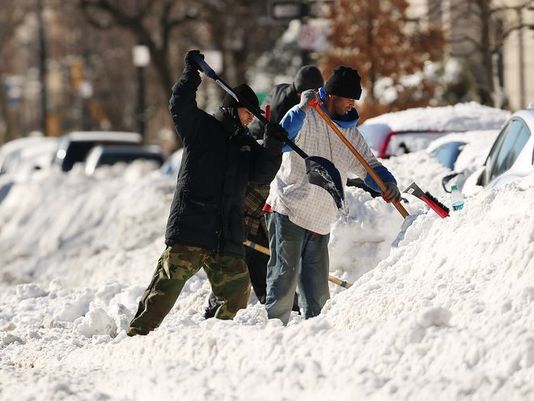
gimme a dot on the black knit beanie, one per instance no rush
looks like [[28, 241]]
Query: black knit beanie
[[344, 82], [243, 92], [308, 77]]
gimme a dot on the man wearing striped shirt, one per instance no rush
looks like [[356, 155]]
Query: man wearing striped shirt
[[301, 213]]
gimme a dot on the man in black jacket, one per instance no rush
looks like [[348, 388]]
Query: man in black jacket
[[205, 226], [284, 96]]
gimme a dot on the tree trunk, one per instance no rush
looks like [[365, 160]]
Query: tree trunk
[[486, 89], [370, 45]]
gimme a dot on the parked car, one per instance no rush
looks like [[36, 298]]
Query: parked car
[[464, 149], [107, 155], [393, 134], [21, 158], [11, 153], [511, 156], [172, 165], [74, 147]]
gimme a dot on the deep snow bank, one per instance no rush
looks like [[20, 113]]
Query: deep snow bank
[[446, 316]]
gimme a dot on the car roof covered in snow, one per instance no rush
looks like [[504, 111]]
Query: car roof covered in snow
[[460, 117], [104, 136]]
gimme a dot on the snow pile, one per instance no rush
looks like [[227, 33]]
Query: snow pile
[[363, 238], [456, 299], [72, 225], [446, 314]]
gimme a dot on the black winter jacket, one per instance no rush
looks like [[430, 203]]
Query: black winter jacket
[[281, 98], [207, 210]]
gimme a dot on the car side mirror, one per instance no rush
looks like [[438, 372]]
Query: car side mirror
[[445, 180]]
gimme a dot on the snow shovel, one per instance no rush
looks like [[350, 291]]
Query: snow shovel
[[368, 168], [265, 251], [438, 207], [320, 171]]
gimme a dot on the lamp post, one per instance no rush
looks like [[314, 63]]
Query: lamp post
[[85, 92], [141, 58], [42, 67]]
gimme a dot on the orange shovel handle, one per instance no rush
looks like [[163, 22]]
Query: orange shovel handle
[[368, 168]]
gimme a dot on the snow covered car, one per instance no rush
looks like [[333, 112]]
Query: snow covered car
[[462, 153], [74, 147], [110, 154], [172, 165], [21, 158], [511, 156], [27, 153], [394, 134]]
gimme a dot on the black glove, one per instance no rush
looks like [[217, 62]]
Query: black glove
[[274, 137], [190, 59], [240, 136], [392, 193], [276, 131]]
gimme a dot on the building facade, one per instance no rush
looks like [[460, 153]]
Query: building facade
[[495, 40]]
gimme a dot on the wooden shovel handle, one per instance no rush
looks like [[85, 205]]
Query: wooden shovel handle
[[265, 251], [368, 168]]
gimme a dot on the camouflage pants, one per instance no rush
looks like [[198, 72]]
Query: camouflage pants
[[228, 277]]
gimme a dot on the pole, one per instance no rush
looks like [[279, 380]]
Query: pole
[[42, 68], [521, 59], [141, 120], [304, 53], [141, 123]]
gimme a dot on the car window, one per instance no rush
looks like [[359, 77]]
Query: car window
[[109, 159], [506, 151], [76, 153], [448, 153], [407, 142]]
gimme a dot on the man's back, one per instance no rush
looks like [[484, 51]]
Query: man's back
[[281, 98]]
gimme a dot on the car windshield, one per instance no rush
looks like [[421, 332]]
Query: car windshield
[[72, 152], [406, 142], [506, 149], [109, 159]]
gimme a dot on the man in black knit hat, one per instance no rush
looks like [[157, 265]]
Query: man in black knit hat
[[301, 214]]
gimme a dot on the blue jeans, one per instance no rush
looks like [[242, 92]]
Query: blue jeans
[[297, 256]]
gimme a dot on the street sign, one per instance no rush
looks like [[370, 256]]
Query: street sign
[[286, 10], [295, 9], [313, 37]]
